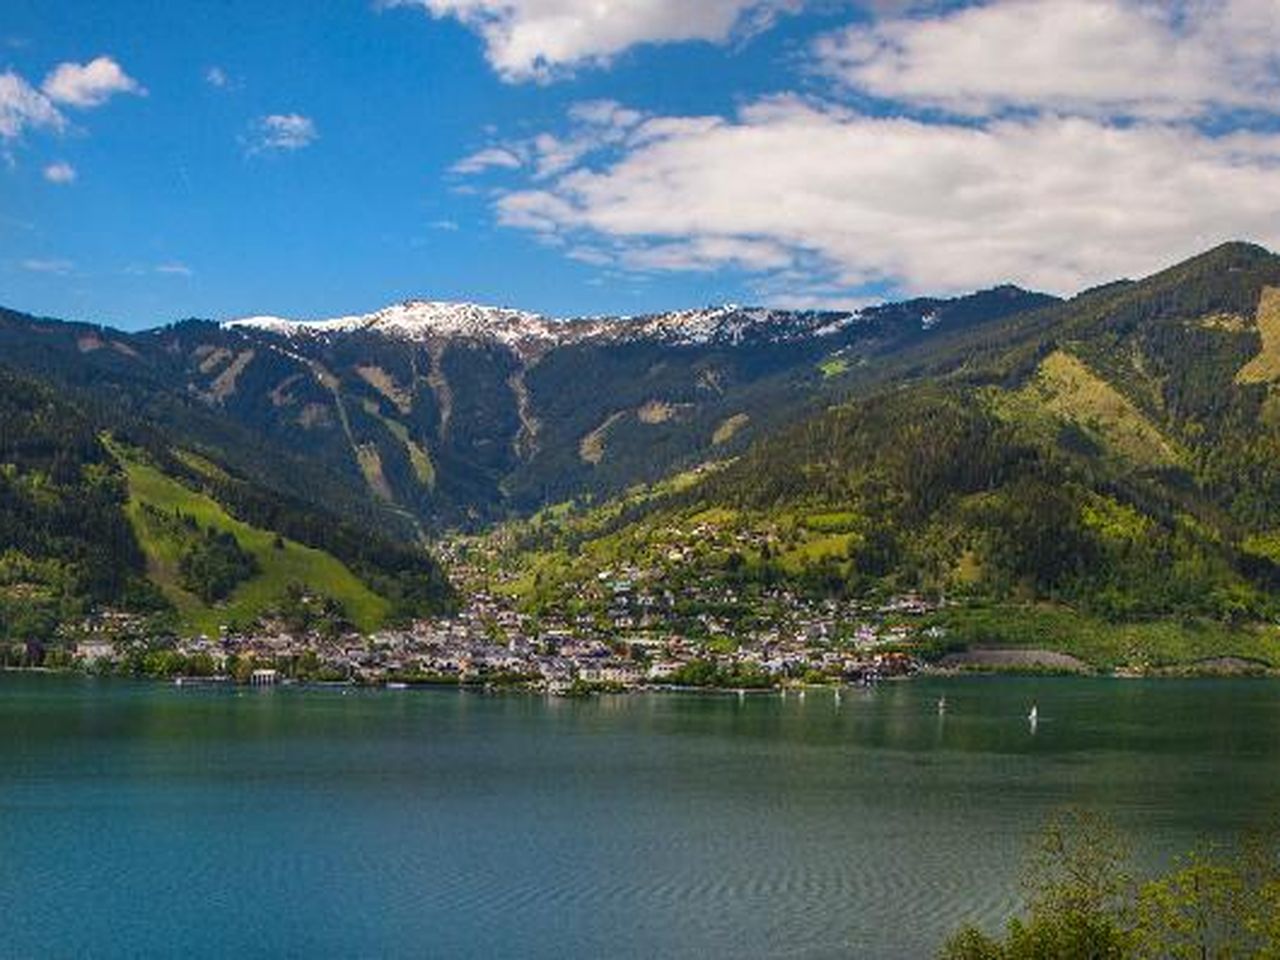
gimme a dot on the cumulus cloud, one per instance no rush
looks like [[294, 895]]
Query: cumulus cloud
[[282, 131], [487, 159], [1052, 143], [541, 39], [703, 253], [22, 106], [593, 125], [216, 77], [60, 172], [1132, 58], [90, 84], [844, 199]]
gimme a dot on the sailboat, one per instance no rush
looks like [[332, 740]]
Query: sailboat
[[1034, 715], [942, 705]]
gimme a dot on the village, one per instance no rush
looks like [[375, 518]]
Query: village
[[619, 635]]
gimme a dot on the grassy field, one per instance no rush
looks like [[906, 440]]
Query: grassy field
[[419, 458], [278, 566], [833, 367], [729, 428], [816, 549], [1065, 390], [1265, 367], [1107, 646]]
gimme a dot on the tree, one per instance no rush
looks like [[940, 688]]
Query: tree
[[1082, 903], [1078, 899], [1214, 907]]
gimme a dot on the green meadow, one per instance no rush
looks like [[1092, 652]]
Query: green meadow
[[281, 561]]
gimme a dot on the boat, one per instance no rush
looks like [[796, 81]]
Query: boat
[[942, 705], [397, 685], [1034, 715]]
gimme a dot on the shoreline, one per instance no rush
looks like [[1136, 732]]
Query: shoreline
[[1217, 668], [1030, 661]]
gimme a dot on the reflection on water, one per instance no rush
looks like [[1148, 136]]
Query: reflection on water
[[144, 819]]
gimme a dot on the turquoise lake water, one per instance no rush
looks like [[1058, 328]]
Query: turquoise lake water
[[149, 820]]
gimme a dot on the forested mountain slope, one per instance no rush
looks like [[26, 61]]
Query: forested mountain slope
[[430, 415], [91, 521], [1117, 455]]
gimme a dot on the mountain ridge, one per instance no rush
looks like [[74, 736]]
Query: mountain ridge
[[420, 319], [429, 414]]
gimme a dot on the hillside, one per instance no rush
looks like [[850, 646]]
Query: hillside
[[1106, 462], [90, 524], [65, 544], [429, 415], [172, 522]]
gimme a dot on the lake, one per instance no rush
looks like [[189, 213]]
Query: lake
[[143, 819]]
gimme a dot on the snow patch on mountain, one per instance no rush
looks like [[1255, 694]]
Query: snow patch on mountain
[[422, 320], [417, 320]]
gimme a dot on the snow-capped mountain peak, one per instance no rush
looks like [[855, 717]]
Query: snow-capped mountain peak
[[423, 320], [417, 320]]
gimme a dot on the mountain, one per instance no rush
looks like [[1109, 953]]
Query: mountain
[[428, 415], [460, 413], [1054, 467], [420, 321], [97, 516], [1101, 474]]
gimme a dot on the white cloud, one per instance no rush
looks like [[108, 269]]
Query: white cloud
[[836, 199], [1091, 144], [172, 268], [487, 159], [216, 77], [23, 106], [60, 267], [90, 84], [60, 172], [593, 125], [1134, 58], [282, 131], [540, 39], [703, 253]]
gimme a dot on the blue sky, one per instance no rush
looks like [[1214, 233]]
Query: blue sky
[[168, 159]]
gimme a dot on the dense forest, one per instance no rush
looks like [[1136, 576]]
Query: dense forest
[[1122, 457], [65, 543]]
